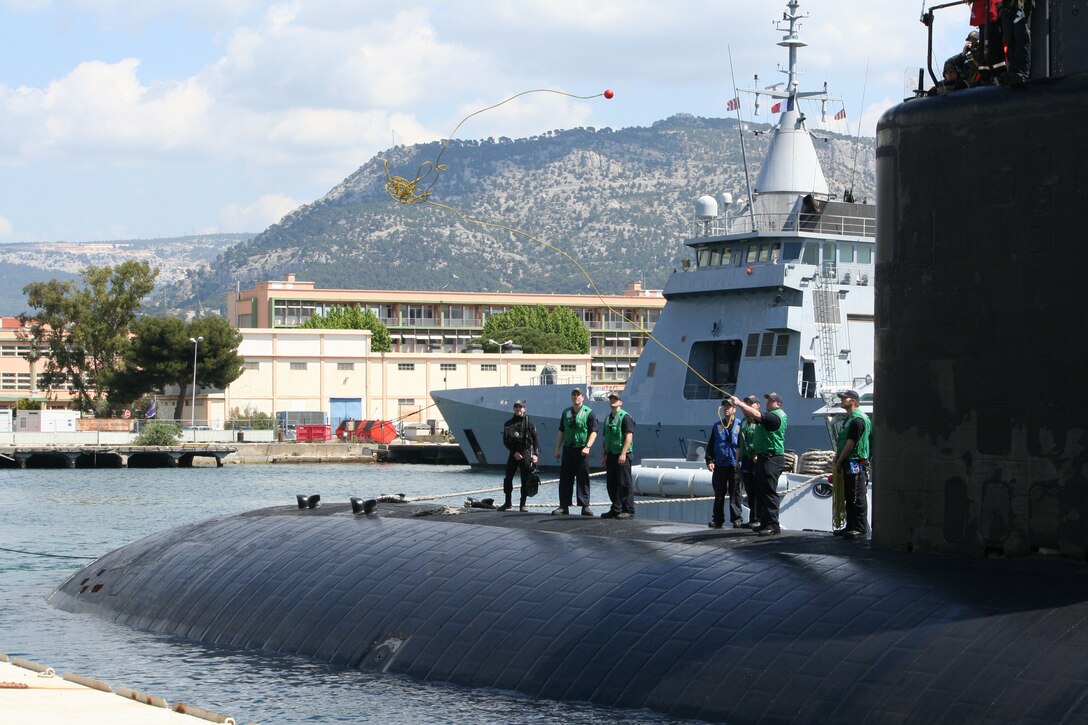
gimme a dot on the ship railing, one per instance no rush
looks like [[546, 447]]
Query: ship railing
[[823, 224]]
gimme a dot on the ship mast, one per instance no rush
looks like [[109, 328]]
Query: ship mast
[[791, 168]]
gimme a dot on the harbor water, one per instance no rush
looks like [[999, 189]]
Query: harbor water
[[61, 515]]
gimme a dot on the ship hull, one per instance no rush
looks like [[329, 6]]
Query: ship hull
[[475, 417], [718, 625]]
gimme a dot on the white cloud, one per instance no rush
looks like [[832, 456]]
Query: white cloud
[[102, 109], [262, 213]]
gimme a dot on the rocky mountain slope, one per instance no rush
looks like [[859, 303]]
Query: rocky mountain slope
[[21, 264], [618, 201]]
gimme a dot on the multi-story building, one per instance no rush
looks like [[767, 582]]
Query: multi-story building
[[19, 377], [445, 321]]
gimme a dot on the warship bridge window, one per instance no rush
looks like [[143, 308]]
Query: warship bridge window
[[791, 251], [811, 254], [715, 257], [715, 360], [702, 258], [846, 253], [865, 253], [829, 252], [769, 344]]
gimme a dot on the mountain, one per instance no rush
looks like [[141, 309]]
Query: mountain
[[23, 263], [618, 201]]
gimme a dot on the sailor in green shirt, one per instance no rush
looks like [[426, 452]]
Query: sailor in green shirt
[[745, 454], [852, 458], [577, 432], [768, 446], [619, 433]]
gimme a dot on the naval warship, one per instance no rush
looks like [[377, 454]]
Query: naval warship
[[777, 296]]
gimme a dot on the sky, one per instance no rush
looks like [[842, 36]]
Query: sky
[[163, 118]]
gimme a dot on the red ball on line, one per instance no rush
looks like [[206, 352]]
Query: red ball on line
[[608, 93]]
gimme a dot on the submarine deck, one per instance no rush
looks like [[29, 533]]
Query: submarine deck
[[714, 624]]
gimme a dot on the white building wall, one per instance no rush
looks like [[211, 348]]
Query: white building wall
[[302, 370]]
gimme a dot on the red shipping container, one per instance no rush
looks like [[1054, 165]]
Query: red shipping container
[[313, 433]]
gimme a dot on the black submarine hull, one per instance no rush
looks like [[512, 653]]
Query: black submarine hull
[[713, 625]]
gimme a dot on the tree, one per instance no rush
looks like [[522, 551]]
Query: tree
[[80, 331], [353, 318], [561, 321], [532, 341], [160, 354]]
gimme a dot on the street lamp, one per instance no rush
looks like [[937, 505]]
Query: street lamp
[[501, 346], [192, 413]]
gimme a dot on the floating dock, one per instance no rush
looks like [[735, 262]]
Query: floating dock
[[429, 453], [32, 692], [110, 456]]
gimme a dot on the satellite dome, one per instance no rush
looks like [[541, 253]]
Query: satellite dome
[[706, 208]]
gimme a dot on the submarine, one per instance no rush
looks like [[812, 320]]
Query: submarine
[[969, 605]]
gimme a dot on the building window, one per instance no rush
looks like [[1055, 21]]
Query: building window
[[15, 381], [298, 366], [489, 367], [528, 368], [418, 315], [406, 401], [345, 366], [291, 313], [447, 366], [568, 368], [252, 365], [406, 366]]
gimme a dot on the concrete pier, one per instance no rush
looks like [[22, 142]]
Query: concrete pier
[[32, 692], [91, 456]]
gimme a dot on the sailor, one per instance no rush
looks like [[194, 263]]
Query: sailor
[[953, 76], [723, 462], [1016, 31], [519, 437], [577, 432], [991, 52], [768, 461], [619, 435], [745, 454], [852, 459]]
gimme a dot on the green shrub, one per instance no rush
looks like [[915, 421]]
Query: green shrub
[[158, 433]]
